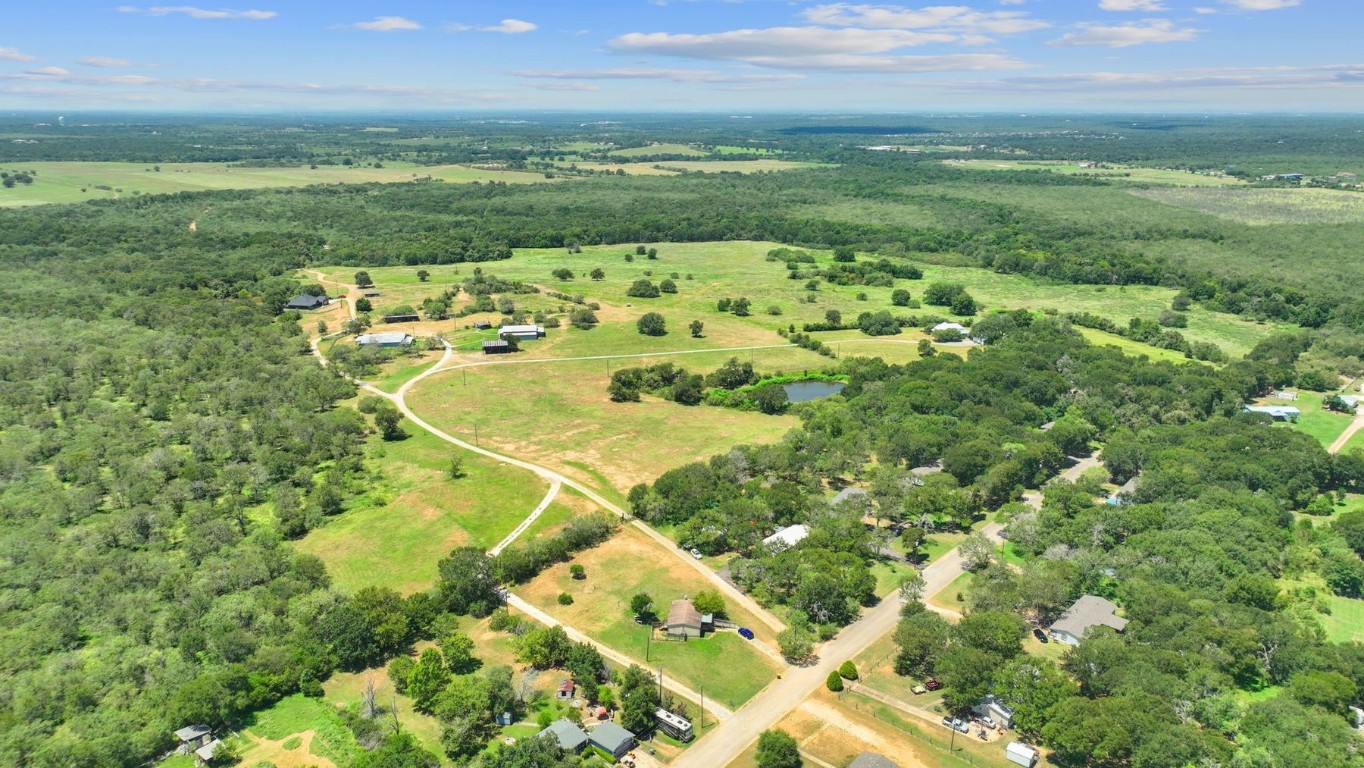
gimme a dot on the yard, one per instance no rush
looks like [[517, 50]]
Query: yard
[[1345, 622], [297, 732], [1322, 424], [724, 665]]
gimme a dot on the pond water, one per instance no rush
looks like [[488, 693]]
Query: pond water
[[805, 391]]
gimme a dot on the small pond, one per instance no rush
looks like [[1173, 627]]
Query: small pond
[[805, 391]]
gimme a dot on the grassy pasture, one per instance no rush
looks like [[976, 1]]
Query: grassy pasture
[[1118, 173], [660, 149], [71, 182], [1264, 207], [294, 733], [1345, 623], [674, 167], [413, 514], [726, 665], [1324, 425]]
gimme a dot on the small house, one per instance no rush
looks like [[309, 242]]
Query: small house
[[307, 301], [522, 332], [953, 327], [788, 537], [482, 325], [191, 737], [204, 755], [612, 739], [384, 340], [990, 707], [1020, 754], [872, 760], [683, 619], [409, 318], [505, 719], [1275, 412], [571, 737], [1087, 612], [565, 690], [675, 726], [497, 347], [372, 294]]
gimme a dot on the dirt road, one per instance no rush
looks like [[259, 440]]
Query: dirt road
[[1339, 444]]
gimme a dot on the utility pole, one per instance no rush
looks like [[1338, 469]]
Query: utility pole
[[703, 708], [648, 640], [476, 434]]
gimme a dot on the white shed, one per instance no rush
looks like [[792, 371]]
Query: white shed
[[1021, 754]]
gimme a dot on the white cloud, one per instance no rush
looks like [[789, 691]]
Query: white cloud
[[511, 27], [1132, 5], [1334, 76], [783, 42], [956, 18], [386, 24], [104, 62], [650, 73], [1126, 35], [198, 13], [1204, 10], [48, 72], [1262, 5], [13, 54]]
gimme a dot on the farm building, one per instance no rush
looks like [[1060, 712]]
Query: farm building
[[565, 690], [205, 754], [991, 707], [847, 493], [683, 619], [571, 737], [872, 760], [372, 294], [191, 737], [1021, 754], [1276, 412], [958, 327], [482, 325], [529, 332], [675, 726], [307, 301], [788, 537], [497, 347], [391, 339], [1087, 612], [612, 739], [405, 318]]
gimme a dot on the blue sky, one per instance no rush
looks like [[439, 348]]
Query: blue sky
[[685, 55]]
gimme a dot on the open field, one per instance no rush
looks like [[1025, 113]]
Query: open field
[[728, 668], [1322, 424], [1345, 623], [70, 182], [295, 733], [1130, 347], [660, 149], [674, 167], [413, 514], [1263, 207], [1111, 172]]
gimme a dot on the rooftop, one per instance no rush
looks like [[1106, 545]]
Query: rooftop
[[789, 536], [611, 737], [872, 760], [683, 614], [570, 736], [847, 493], [1089, 611], [192, 732], [388, 337]]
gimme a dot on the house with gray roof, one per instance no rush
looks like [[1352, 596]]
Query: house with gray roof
[[386, 339], [847, 493], [612, 739], [191, 737], [307, 301], [872, 760], [1086, 613], [569, 735]]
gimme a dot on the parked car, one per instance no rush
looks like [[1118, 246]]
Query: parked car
[[961, 725], [696, 553], [745, 633], [1041, 636], [918, 690], [932, 684], [947, 721]]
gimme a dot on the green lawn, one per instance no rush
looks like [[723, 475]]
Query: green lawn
[[1345, 623], [947, 598], [1130, 347], [660, 149], [296, 715], [70, 182], [413, 514], [1322, 424], [1115, 173]]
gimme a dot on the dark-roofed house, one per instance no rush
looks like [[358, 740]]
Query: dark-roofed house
[[412, 318], [872, 760], [612, 739], [389, 339], [1087, 612], [497, 347], [482, 325], [569, 735], [306, 301], [191, 737], [683, 619]]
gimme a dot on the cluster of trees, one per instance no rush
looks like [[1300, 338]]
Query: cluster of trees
[[1158, 333], [734, 384], [952, 296]]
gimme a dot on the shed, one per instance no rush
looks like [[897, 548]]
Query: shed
[[306, 301], [497, 347], [675, 726], [1021, 754], [683, 619], [206, 753], [482, 325], [565, 690], [528, 332], [411, 318], [1087, 612], [372, 294], [612, 739], [191, 737], [872, 760], [389, 339], [787, 537], [570, 736]]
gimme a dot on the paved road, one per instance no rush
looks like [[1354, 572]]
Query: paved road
[[1071, 474], [721, 713], [730, 738]]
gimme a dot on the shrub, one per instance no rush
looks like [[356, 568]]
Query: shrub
[[652, 324], [643, 289], [847, 671], [565, 598], [577, 571], [834, 683]]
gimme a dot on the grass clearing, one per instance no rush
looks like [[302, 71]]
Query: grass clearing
[[660, 149], [1316, 421], [1116, 173], [1264, 207], [413, 514], [950, 596], [1130, 347], [296, 732], [725, 665], [1345, 622], [72, 182]]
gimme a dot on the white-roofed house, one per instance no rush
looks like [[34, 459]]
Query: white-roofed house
[[787, 537], [522, 332], [386, 339]]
